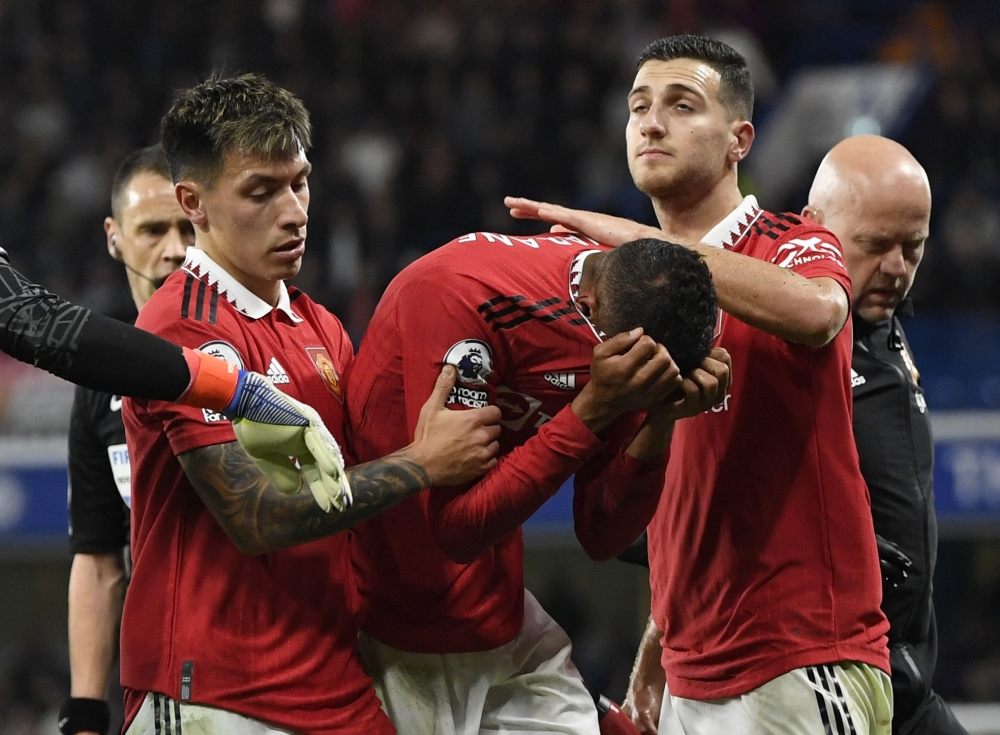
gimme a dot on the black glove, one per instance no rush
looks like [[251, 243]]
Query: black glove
[[894, 563]]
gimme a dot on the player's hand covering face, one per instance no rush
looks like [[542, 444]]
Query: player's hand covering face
[[275, 428], [704, 388], [628, 372], [455, 447], [601, 227]]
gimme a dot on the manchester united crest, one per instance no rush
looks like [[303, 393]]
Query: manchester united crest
[[324, 364]]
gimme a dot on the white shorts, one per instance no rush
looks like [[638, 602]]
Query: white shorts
[[161, 715], [529, 685], [845, 698]]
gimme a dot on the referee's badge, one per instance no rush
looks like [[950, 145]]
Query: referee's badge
[[912, 366], [324, 364]]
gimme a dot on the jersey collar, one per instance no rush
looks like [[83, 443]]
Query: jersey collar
[[575, 276], [731, 230], [200, 265]]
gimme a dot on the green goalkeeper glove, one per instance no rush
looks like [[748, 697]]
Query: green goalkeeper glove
[[272, 447]]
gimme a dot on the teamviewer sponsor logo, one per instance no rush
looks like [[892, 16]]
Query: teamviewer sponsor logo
[[277, 373]]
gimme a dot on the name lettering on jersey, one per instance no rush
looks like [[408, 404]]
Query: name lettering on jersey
[[563, 381], [115, 404], [856, 379], [224, 351], [324, 364], [121, 470], [277, 373], [531, 242], [798, 251], [468, 397], [473, 360]]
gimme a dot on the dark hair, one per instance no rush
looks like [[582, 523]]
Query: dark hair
[[667, 290], [145, 160], [736, 87], [248, 114]]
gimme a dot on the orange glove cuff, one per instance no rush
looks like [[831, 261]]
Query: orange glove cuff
[[213, 381]]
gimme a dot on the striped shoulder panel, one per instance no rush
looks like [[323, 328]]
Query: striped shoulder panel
[[507, 312], [200, 302], [770, 225]]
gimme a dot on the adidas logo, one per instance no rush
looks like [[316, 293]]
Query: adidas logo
[[277, 373], [564, 381], [856, 379]]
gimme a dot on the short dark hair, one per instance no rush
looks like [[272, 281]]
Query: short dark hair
[[247, 113], [667, 290], [736, 87], [145, 160]]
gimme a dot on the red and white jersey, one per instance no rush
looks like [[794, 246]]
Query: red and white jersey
[[272, 637], [762, 551], [442, 572]]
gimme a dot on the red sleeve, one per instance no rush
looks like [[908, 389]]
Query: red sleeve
[[615, 496], [188, 427], [812, 252], [437, 325]]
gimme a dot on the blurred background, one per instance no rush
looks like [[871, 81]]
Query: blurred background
[[426, 113]]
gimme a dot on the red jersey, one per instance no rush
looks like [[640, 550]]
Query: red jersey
[[272, 637], [442, 572], [762, 551]]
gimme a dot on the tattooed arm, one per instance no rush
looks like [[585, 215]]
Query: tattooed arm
[[449, 448], [258, 518]]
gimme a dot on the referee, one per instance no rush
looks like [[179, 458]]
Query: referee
[[876, 198], [148, 233]]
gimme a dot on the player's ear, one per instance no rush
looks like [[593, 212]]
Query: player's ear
[[812, 214], [113, 234], [190, 196], [590, 304], [742, 133]]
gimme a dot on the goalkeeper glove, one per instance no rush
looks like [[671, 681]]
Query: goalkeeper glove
[[273, 427]]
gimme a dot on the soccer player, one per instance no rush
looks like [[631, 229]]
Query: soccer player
[[450, 636], [763, 564], [874, 195], [149, 233], [224, 629]]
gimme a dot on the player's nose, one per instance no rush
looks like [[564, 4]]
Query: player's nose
[[174, 246], [294, 214]]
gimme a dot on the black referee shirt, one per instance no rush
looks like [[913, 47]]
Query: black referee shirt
[[99, 476], [893, 434]]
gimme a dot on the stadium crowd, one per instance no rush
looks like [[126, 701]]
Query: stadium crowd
[[425, 115]]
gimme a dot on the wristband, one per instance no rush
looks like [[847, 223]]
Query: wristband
[[213, 381], [79, 714]]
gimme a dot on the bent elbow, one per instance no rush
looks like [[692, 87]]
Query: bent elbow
[[594, 546], [826, 321]]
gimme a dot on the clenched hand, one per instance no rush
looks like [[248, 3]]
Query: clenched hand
[[455, 447]]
